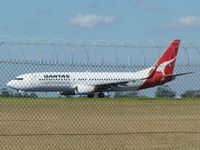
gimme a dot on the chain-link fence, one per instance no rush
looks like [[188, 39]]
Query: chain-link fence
[[94, 95]]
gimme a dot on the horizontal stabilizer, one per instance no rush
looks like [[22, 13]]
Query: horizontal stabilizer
[[180, 74]]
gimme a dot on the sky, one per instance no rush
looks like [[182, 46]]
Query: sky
[[101, 19]]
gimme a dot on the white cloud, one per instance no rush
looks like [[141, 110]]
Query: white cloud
[[189, 21], [91, 20], [183, 22]]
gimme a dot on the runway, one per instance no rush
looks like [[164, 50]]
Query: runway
[[105, 124]]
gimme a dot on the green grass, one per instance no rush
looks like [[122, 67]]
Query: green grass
[[14, 99], [78, 103]]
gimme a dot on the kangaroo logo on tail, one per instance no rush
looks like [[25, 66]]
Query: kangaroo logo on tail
[[162, 67]]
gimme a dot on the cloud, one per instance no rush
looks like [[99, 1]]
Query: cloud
[[184, 22], [91, 20]]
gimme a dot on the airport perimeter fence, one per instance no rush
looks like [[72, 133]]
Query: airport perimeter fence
[[165, 116]]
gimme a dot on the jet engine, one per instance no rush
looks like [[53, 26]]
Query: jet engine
[[84, 89]]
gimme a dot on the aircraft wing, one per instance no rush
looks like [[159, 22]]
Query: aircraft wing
[[107, 86], [111, 85]]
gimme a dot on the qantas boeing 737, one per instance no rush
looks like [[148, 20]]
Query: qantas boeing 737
[[90, 83]]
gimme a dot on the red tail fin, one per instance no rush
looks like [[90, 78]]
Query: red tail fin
[[166, 62]]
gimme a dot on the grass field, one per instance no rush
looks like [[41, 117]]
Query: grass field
[[98, 99], [82, 123]]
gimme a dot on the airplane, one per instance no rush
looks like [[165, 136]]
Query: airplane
[[91, 83]]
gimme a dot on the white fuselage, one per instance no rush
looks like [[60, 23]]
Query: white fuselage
[[68, 81]]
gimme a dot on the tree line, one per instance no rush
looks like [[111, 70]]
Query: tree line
[[5, 93]]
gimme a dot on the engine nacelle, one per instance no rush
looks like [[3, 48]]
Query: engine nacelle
[[84, 89]]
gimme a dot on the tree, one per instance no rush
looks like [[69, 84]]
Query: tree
[[131, 94], [118, 94], [165, 91], [191, 94], [5, 92]]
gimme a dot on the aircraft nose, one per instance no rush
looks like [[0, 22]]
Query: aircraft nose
[[10, 84]]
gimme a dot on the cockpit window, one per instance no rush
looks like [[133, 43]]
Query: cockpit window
[[18, 78]]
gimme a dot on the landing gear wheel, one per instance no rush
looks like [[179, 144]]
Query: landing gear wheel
[[90, 95], [101, 95]]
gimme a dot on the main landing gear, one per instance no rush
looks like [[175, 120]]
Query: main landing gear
[[100, 95], [90, 95]]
